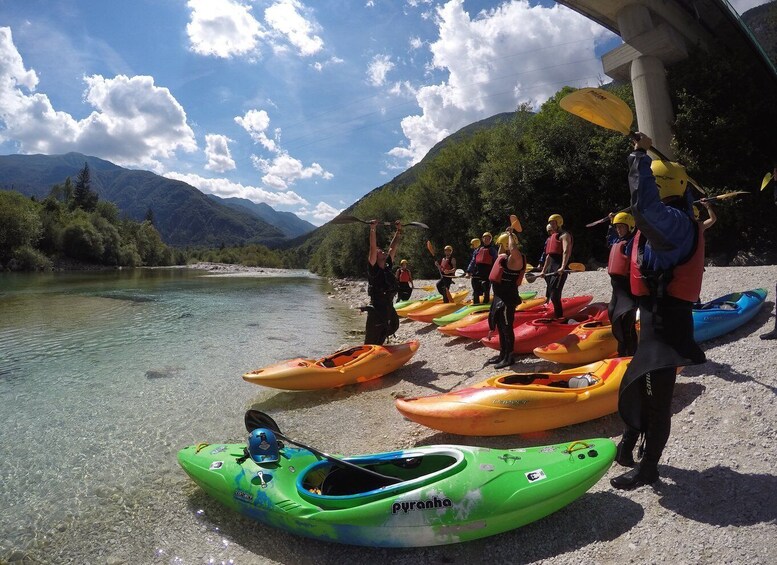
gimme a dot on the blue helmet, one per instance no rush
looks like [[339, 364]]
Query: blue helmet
[[263, 446]]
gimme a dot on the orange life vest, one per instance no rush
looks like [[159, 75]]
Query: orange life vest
[[685, 282], [404, 275], [553, 245], [446, 265], [618, 263], [483, 256], [499, 270]]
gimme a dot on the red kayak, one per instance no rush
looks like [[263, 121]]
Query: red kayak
[[570, 306], [545, 330]]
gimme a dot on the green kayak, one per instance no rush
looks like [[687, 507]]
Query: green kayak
[[403, 303], [471, 309], [423, 496]]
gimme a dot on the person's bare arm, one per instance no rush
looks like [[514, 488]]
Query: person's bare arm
[[373, 256]]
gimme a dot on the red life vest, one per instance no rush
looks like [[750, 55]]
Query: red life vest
[[686, 277], [446, 265], [500, 268], [553, 245], [403, 275], [618, 263], [483, 256]]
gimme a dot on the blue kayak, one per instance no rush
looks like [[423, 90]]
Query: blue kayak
[[725, 314]]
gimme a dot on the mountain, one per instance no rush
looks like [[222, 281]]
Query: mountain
[[762, 21], [182, 214], [288, 223]]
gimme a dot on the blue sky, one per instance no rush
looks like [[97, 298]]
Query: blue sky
[[304, 105]]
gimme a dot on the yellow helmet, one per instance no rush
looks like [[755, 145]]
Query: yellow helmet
[[448, 248], [503, 241], [558, 218], [475, 243], [671, 178], [696, 212], [487, 234], [624, 218], [403, 262]]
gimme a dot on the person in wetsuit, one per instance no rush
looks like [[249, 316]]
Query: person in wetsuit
[[506, 276], [447, 268], [479, 268], [382, 319], [558, 250], [404, 281], [665, 273], [622, 309]]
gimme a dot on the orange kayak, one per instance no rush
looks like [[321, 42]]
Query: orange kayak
[[427, 315], [588, 342], [518, 403], [469, 319], [458, 296], [347, 366]]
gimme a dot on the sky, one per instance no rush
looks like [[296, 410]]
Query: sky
[[303, 105]]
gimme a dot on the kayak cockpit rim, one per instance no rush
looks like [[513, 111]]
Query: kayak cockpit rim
[[329, 486]]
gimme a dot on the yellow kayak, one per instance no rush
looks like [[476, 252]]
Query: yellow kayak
[[347, 366], [519, 403], [469, 319], [458, 297], [589, 342]]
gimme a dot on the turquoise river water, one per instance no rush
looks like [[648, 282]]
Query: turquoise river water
[[104, 376]]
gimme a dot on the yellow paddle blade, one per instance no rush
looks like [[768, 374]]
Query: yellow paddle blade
[[529, 267], [515, 223], [430, 247], [599, 107], [765, 181], [728, 195], [577, 267], [697, 186], [429, 288]]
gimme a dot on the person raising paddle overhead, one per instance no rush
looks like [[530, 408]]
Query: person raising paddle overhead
[[665, 273], [447, 268], [382, 319]]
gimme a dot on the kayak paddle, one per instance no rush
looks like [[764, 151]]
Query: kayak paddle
[[255, 419], [346, 219], [725, 196], [571, 268], [766, 179]]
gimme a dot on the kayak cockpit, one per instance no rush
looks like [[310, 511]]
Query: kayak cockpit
[[330, 486], [344, 356]]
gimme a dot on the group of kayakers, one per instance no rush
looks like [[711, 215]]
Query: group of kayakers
[[656, 264]]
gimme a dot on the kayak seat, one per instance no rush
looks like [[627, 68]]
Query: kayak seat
[[522, 378], [345, 481], [342, 357]]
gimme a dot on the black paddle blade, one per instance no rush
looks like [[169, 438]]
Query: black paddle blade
[[255, 419], [417, 225], [347, 220]]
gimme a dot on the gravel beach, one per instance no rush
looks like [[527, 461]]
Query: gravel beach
[[716, 501]]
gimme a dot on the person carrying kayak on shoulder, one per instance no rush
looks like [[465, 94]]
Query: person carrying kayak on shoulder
[[622, 309], [479, 268], [447, 268], [382, 319], [506, 276], [558, 250], [404, 281], [665, 273]]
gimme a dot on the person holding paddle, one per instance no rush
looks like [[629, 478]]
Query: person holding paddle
[[382, 319], [665, 273], [558, 250], [447, 268], [622, 309], [506, 276]]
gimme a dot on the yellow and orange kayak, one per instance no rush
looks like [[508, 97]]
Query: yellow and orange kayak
[[589, 342], [518, 403], [427, 315], [347, 366], [416, 307], [469, 319]]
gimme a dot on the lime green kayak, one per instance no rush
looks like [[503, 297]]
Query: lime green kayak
[[471, 309], [423, 496], [403, 303]]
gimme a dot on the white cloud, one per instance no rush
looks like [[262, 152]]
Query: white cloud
[[416, 43], [226, 188], [284, 170], [321, 214], [378, 69], [134, 122], [217, 153], [223, 28], [506, 55], [256, 122], [288, 18]]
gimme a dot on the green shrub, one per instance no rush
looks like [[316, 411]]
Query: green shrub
[[27, 258]]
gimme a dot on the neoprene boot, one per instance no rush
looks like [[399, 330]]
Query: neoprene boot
[[772, 334], [646, 473], [625, 454], [495, 359], [506, 362]]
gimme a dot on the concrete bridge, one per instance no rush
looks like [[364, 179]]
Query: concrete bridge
[[656, 34]]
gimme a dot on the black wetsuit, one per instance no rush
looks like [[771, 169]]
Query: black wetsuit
[[622, 309], [481, 286], [445, 282], [502, 313], [404, 290], [555, 283], [382, 319]]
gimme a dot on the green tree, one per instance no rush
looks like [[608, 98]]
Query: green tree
[[20, 223], [83, 195]]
